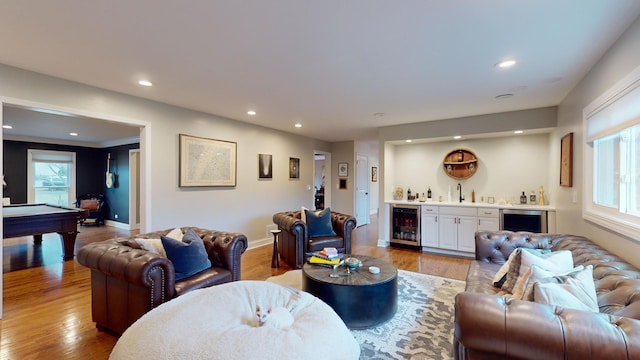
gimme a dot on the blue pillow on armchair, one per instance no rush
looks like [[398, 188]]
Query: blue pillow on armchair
[[319, 224], [188, 256]]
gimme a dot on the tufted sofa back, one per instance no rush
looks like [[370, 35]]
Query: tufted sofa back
[[617, 282]]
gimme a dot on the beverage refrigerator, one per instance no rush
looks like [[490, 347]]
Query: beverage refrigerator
[[405, 225]]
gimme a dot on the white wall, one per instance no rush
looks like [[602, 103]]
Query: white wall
[[620, 59], [246, 208], [342, 200], [507, 166]]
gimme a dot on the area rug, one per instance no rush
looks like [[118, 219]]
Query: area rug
[[421, 329]]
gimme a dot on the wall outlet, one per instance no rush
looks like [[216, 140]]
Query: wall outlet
[[115, 216]]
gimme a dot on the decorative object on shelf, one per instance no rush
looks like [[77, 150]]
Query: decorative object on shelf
[[343, 169], [532, 197], [265, 166], [398, 194], [460, 164], [491, 200], [410, 195], [566, 160], [523, 199], [473, 196], [429, 193], [294, 168], [207, 162], [541, 199], [374, 174]]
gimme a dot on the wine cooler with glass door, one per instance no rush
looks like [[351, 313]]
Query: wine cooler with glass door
[[405, 225]]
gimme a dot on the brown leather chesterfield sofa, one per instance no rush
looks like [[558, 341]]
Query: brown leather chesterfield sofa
[[128, 281], [294, 242], [490, 325]]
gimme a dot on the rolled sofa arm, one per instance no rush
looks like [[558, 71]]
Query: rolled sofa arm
[[288, 221], [489, 326], [224, 249], [138, 266], [343, 225]]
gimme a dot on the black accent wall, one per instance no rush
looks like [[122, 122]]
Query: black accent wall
[[91, 167]]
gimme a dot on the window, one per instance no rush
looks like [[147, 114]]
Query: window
[[612, 158], [51, 177]]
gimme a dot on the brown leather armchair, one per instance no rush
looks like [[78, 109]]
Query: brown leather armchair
[[294, 242], [127, 281]]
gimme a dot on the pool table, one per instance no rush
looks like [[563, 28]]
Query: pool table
[[37, 219]]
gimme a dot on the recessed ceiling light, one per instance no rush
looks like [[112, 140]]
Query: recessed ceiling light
[[503, 96], [379, 114], [408, 140], [298, 125], [506, 63], [145, 83], [457, 137], [7, 127], [251, 112], [73, 134], [518, 132]]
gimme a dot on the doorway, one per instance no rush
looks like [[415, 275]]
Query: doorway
[[362, 189], [321, 179], [145, 151]]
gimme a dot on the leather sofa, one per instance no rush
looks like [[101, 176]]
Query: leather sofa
[[127, 281], [491, 325], [294, 242]]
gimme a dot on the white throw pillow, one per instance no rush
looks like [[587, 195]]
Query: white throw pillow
[[539, 274], [556, 261], [175, 234], [155, 245], [303, 214], [577, 291], [500, 277], [152, 245]]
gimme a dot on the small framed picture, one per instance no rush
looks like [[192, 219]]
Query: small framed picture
[[294, 168], [342, 184], [343, 169], [374, 174], [265, 167], [491, 200]]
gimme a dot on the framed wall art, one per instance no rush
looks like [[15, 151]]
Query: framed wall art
[[294, 168], [566, 160], [207, 162], [342, 184], [265, 166], [374, 174], [343, 169]]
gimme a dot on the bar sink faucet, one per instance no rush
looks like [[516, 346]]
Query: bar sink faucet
[[460, 190]]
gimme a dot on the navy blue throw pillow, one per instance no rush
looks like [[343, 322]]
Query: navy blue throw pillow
[[319, 224], [188, 256]]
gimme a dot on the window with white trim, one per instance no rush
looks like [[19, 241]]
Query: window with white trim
[[612, 158], [51, 177]]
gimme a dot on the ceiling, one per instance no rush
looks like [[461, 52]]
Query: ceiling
[[340, 68]]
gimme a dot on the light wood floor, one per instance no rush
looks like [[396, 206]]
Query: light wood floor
[[47, 302]]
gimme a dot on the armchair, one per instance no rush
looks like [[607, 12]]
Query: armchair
[[127, 281], [96, 206], [294, 243]]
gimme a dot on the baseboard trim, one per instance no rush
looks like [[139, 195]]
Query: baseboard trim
[[260, 242], [118, 225]]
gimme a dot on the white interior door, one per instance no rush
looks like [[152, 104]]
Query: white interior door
[[362, 190]]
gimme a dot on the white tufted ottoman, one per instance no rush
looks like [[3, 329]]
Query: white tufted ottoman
[[218, 322]]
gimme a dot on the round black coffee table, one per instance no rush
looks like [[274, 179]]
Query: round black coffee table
[[361, 299]]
